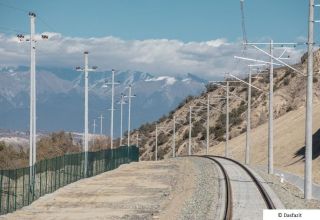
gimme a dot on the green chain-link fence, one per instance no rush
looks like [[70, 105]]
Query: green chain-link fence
[[18, 190]]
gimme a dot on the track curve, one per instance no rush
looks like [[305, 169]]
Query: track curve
[[262, 191], [229, 203]]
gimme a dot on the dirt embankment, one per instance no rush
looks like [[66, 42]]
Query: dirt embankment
[[289, 139], [144, 190]]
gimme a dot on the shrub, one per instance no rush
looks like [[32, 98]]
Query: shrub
[[161, 153], [2, 145], [220, 138], [187, 118], [254, 93], [188, 99], [286, 81], [304, 57], [162, 119], [56, 144], [219, 131], [243, 89], [288, 72], [181, 104], [186, 135], [185, 101], [162, 138], [261, 80], [234, 117], [146, 128], [222, 119], [289, 109], [211, 130], [178, 126], [211, 87], [293, 74], [242, 108], [203, 134], [275, 75], [171, 112], [196, 128], [315, 80]]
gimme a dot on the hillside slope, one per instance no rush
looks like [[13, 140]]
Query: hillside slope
[[289, 134], [289, 102]]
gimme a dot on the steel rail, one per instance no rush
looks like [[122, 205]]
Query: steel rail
[[228, 203], [268, 201]]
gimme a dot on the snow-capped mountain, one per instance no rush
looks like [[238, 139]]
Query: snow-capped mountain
[[60, 97]]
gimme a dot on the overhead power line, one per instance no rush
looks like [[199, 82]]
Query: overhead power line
[[14, 8]]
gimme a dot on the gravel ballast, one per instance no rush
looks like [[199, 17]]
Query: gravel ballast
[[204, 201], [290, 195]]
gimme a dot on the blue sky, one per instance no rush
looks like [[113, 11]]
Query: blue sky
[[186, 20], [164, 37]]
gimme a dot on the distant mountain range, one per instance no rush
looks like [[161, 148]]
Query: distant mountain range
[[60, 97]]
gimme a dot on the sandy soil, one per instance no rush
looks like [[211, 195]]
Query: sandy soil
[[183, 189], [145, 190], [289, 134]]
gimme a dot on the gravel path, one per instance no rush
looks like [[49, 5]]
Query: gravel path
[[133, 191], [203, 203], [290, 195]]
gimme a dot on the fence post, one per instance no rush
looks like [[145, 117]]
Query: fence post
[[15, 190], [94, 168], [75, 166], [34, 180], [46, 175], [72, 168], [105, 160], [1, 192], [22, 187], [79, 166], [59, 170], [29, 186], [64, 170], [40, 173], [99, 164], [51, 165], [67, 168], [8, 193], [55, 173]]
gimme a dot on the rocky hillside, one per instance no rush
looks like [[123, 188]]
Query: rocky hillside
[[289, 94]]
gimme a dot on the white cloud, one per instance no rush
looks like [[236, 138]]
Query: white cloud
[[169, 80], [159, 56]]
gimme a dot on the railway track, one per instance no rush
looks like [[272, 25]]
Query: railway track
[[228, 213]]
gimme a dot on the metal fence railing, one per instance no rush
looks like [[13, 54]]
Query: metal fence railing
[[18, 189]]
